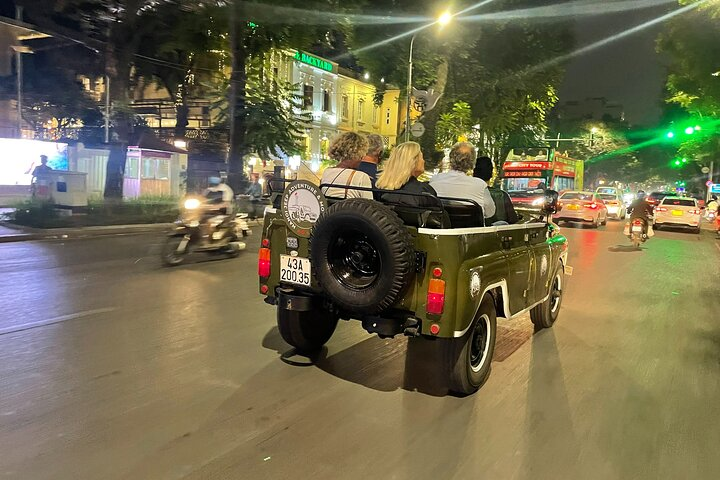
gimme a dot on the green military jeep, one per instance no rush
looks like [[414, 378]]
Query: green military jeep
[[437, 272]]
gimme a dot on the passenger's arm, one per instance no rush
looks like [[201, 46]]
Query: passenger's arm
[[488, 203]]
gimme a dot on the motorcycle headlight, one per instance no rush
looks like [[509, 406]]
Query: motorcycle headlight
[[191, 204]]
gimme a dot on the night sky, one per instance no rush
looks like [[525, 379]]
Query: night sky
[[627, 71]]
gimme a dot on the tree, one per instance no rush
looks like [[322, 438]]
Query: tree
[[691, 42], [454, 125]]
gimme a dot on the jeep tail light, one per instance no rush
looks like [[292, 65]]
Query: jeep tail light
[[264, 262], [436, 297]]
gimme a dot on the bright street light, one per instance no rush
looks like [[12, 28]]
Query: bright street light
[[670, 135], [444, 19], [689, 130]]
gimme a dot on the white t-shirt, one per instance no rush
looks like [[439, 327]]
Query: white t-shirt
[[458, 185], [348, 177], [227, 193]]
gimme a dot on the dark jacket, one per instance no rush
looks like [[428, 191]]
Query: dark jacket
[[371, 169], [419, 199], [640, 209]]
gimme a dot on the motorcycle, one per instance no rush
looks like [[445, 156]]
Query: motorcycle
[[202, 227], [638, 231]]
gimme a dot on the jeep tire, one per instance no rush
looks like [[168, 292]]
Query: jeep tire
[[545, 314], [306, 331], [362, 255], [467, 359]]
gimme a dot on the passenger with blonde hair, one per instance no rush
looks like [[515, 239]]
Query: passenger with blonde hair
[[348, 149], [405, 164]]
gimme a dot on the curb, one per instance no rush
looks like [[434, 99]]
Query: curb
[[27, 233]]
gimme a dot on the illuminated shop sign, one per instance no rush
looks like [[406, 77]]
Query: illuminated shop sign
[[314, 61]]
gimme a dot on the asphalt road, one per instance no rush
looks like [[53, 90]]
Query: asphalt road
[[112, 367]]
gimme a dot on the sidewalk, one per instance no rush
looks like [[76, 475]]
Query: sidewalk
[[16, 233]]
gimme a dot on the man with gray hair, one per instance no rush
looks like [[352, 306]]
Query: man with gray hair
[[458, 184], [370, 161]]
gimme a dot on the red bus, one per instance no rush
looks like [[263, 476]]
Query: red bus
[[528, 171]]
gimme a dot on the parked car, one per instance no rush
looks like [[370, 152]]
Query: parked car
[[576, 206], [678, 212], [388, 266], [615, 205]]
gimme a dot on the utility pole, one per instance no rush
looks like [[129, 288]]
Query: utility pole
[[107, 109], [19, 72]]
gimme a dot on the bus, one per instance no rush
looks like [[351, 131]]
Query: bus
[[526, 172]]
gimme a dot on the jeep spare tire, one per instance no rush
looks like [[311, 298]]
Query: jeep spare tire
[[362, 255]]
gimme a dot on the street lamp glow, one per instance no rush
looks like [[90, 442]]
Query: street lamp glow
[[366, 76], [444, 19], [697, 128], [594, 130]]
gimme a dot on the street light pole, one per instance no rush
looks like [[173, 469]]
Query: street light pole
[[409, 90], [19, 72]]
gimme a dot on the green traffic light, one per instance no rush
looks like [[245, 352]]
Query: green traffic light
[[684, 160], [677, 163], [689, 130], [670, 135]]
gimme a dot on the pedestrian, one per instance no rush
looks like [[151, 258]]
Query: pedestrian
[[255, 190], [43, 168], [372, 159], [405, 164], [348, 149], [456, 183]]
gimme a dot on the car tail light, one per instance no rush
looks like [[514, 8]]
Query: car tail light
[[660, 209], [436, 297], [592, 206], [264, 262]]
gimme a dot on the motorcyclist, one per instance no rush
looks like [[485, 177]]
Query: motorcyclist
[[222, 194], [641, 209]]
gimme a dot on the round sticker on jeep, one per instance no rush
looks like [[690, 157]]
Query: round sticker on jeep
[[302, 205]]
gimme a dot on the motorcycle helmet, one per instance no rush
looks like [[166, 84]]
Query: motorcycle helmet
[[640, 195], [214, 181]]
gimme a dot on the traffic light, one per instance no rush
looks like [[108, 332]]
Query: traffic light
[[670, 134]]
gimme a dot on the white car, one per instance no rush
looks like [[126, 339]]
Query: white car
[[581, 207], [678, 212], [615, 204]]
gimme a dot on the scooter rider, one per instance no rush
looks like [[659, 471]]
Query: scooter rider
[[217, 189], [640, 209]]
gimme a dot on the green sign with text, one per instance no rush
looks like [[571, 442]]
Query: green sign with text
[[314, 61]]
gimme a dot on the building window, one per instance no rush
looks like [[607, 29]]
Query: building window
[[148, 168], [326, 101], [345, 107], [308, 97], [131, 167], [387, 117], [163, 169], [361, 108], [375, 115]]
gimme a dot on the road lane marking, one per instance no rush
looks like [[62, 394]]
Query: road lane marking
[[53, 321]]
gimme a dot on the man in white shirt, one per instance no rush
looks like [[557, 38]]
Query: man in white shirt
[[458, 184], [216, 188]]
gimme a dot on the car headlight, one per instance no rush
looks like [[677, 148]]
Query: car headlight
[[192, 204]]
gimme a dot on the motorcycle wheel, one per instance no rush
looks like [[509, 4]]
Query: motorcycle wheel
[[636, 241], [170, 255]]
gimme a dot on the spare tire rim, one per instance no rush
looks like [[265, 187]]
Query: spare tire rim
[[354, 260], [480, 343]]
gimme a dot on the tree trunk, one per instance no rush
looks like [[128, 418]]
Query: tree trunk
[[236, 101], [181, 113], [118, 69]]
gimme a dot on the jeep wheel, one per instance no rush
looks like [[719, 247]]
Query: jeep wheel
[[306, 331], [468, 358], [545, 314], [363, 255]]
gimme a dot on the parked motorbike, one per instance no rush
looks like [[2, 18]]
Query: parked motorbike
[[202, 227], [638, 231]]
